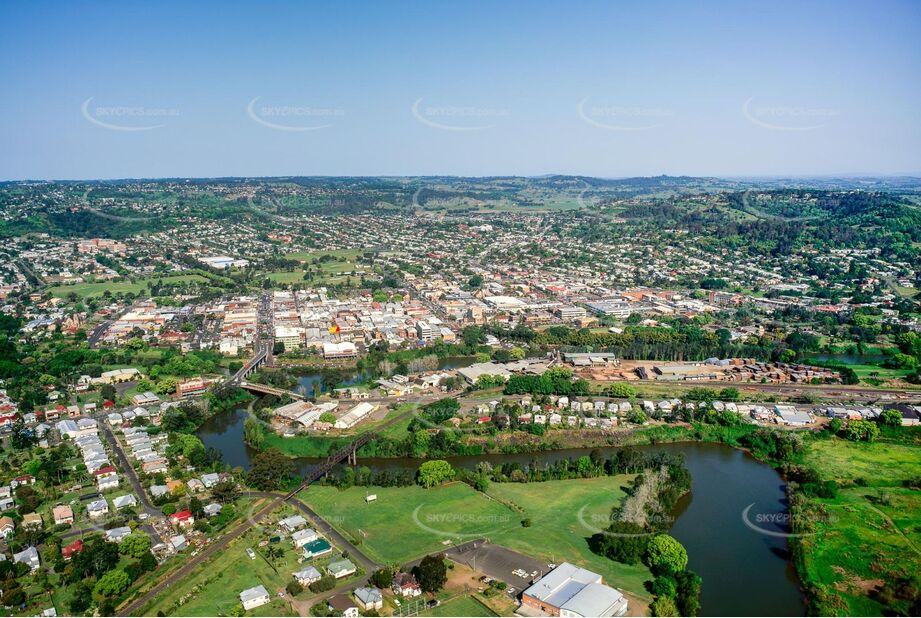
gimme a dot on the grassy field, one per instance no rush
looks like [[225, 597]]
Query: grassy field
[[869, 534], [304, 446], [881, 463], [461, 606], [84, 290], [426, 519], [563, 515], [306, 256], [285, 277]]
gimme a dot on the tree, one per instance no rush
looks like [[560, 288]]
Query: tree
[[294, 588], [112, 583], [861, 431], [435, 472], [622, 390], [270, 470], [664, 554], [253, 433], [135, 545], [431, 573], [664, 606], [890, 417], [382, 578]]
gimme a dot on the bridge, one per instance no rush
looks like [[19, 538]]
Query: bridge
[[270, 390], [251, 365], [349, 452]]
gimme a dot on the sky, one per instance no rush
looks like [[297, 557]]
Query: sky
[[97, 90]]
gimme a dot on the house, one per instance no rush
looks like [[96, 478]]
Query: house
[[307, 576], [178, 542], [7, 526], [195, 486], [573, 592], [97, 508], [123, 502], [158, 490], [211, 479], [115, 535], [302, 537], [341, 568], [62, 514], [28, 556], [317, 547], [344, 605], [212, 509], [405, 585], [183, 519], [107, 481], [32, 521], [292, 523], [74, 548], [251, 598], [369, 597]]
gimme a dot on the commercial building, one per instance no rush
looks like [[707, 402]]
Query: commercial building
[[572, 592]]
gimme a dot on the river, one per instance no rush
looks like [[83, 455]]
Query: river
[[340, 378], [745, 572]]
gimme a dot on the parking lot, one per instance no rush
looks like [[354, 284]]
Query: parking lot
[[515, 569]]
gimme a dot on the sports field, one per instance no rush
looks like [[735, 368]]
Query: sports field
[[562, 514], [84, 290]]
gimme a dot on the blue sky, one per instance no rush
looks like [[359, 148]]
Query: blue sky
[[120, 89]]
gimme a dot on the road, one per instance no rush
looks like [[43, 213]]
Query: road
[[186, 570], [126, 467], [326, 529]]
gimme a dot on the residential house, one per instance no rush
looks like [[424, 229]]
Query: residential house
[[7, 526], [307, 576], [32, 521], [369, 598], [115, 535], [341, 568], [251, 598], [28, 556], [68, 551], [302, 537], [405, 585], [123, 502], [97, 508], [344, 605], [292, 523], [62, 514], [183, 519]]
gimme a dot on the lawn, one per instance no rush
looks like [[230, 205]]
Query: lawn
[[870, 532], [880, 463], [425, 518], [84, 290], [285, 277], [563, 515], [461, 606], [304, 446], [863, 544], [306, 256]]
